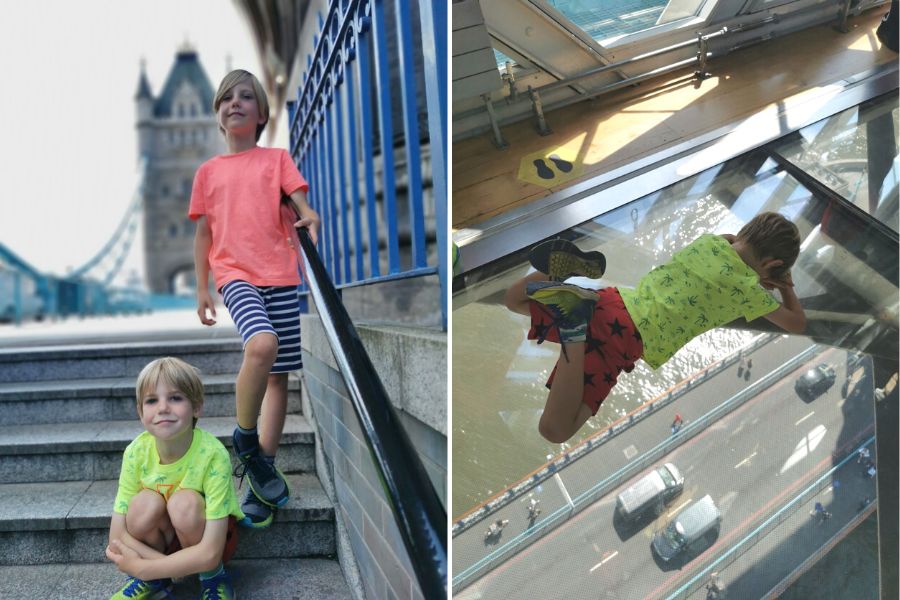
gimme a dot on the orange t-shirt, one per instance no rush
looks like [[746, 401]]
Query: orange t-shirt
[[253, 238]]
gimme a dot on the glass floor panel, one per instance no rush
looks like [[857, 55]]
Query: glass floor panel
[[846, 277], [855, 153]]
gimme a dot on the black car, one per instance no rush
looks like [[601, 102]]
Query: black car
[[815, 382]]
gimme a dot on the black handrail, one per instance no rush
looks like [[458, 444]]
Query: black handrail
[[418, 511]]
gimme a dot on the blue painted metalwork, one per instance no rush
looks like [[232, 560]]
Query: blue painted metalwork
[[411, 130], [365, 86], [349, 162], [434, 36], [386, 128], [420, 516]]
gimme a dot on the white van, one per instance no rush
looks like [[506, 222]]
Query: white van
[[651, 492], [688, 529]]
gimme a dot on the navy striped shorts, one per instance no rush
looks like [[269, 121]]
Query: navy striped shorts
[[267, 310]]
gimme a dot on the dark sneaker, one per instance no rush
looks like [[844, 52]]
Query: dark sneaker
[[571, 307], [138, 589], [561, 259], [267, 482], [256, 514], [217, 588]]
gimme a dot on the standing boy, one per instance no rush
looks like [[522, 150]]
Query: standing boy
[[247, 239]]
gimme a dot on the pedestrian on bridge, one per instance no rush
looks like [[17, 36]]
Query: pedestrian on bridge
[[820, 512], [247, 238], [863, 455], [713, 281]]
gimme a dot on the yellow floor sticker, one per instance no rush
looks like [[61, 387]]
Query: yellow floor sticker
[[554, 166]]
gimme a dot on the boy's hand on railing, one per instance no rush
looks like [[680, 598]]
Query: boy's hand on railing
[[204, 304], [309, 218]]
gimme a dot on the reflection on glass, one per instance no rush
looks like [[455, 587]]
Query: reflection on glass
[[846, 277], [602, 20], [855, 153], [502, 59]]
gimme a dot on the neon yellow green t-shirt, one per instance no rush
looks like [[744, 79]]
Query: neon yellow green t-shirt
[[705, 285], [205, 468]]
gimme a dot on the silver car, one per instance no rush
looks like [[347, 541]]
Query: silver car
[[688, 529]]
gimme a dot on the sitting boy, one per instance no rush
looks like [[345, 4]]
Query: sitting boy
[[175, 510], [713, 281]]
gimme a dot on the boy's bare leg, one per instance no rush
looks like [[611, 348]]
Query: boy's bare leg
[[565, 413], [515, 298], [146, 519], [252, 380], [187, 512], [274, 409]]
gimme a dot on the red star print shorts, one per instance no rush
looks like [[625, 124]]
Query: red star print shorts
[[613, 344]]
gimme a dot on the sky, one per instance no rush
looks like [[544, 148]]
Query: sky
[[68, 158]]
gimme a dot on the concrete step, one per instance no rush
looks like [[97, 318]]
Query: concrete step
[[91, 361], [106, 399], [68, 522], [75, 451], [272, 579]]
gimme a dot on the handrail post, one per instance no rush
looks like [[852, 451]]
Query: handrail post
[[498, 136], [511, 82], [842, 20], [703, 49], [538, 108], [420, 516]]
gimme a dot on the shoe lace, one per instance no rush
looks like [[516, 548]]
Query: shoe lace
[[257, 466], [210, 587]]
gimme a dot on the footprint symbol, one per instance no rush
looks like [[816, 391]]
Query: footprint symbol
[[544, 172], [563, 165]]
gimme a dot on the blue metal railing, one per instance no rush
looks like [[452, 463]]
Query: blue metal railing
[[345, 153], [418, 512]]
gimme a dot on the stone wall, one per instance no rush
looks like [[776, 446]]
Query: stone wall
[[412, 363]]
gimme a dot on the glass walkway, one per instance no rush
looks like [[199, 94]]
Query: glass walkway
[[764, 454]]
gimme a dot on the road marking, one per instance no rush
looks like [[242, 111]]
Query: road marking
[[679, 507], [602, 562], [745, 461], [805, 418]]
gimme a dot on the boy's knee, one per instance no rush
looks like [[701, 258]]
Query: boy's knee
[[513, 299], [145, 509], [553, 431], [262, 348], [186, 509]]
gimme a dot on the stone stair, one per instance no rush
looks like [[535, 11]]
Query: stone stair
[[66, 414]]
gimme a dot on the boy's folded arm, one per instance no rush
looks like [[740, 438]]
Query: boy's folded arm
[[188, 561], [140, 547], [789, 316], [117, 527]]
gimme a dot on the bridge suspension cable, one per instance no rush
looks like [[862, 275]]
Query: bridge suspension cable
[[105, 265]]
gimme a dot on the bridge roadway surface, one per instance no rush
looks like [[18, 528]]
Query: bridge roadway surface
[[752, 462]]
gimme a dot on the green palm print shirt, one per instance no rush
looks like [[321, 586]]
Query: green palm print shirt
[[205, 468], [705, 285]]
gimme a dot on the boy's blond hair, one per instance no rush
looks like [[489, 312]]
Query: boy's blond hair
[[175, 372], [234, 78], [771, 235]]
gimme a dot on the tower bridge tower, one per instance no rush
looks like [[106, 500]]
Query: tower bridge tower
[[177, 132]]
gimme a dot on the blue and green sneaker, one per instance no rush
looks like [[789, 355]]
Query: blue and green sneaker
[[561, 259], [138, 589], [570, 306], [217, 587], [257, 514], [268, 483]]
